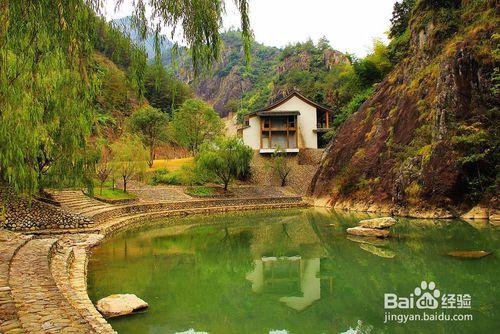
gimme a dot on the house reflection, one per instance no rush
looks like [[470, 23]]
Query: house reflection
[[295, 279]]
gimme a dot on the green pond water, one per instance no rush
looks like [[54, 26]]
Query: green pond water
[[294, 272]]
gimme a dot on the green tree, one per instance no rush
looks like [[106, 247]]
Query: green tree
[[374, 66], [164, 91], [129, 158], [401, 14], [150, 124], [104, 168], [280, 166], [225, 158], [399, 32], [194, 123]]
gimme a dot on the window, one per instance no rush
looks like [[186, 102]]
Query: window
[[267, 122], [247, 121], [291, 121]]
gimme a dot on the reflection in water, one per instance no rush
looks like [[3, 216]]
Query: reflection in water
[[292, 275], [274, 272]]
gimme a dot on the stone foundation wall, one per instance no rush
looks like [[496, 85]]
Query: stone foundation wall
[[18, 213], [211, 203], [304, 166]]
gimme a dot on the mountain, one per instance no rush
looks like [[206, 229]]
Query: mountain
[[231, 85], [231, 79], [272, 74], [125, 25], [428, 136]]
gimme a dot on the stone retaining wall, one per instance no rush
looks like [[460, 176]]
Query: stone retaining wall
[[18, 213], [304, 166], [127, 221], [212, 203]]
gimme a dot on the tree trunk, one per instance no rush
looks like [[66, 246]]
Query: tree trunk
[[151, 156], [101, 188], [124, 184], [283, 181]]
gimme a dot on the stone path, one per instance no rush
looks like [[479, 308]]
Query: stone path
[[9, 244], [68, 268], [41, 308]]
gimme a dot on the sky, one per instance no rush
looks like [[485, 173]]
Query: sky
[[349, 25]]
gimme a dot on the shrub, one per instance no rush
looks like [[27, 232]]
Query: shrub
[[186, 175], [162, 176], [200, 191]]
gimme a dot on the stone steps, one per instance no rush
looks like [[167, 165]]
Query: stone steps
[[121, 217], [41, 307], [84, 211], [78, 203], [10, 243], [83, 303]]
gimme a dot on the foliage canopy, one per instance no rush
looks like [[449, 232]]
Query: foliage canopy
[[150, 124], [194, 123]]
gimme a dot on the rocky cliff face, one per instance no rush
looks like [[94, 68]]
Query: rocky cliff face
[[428, 136]]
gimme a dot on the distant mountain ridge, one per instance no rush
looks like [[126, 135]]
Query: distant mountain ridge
[[273, 73], [125, 25]]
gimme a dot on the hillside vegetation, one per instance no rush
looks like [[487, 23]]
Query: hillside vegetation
[[325, 75], [428, 136], [339, 81]]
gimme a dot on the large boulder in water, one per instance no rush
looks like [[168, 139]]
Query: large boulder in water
[[380, 223], [120, 304], [368, 232]]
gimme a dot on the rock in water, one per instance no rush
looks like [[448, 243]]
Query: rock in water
[[120, 304], [368, 232], [386, 253], [469, 254], [477, 212], [380, 223]]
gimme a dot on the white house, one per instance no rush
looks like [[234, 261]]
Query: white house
[[293, 123]]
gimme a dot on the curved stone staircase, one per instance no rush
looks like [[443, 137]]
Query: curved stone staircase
[[46, 289], [43, 279]]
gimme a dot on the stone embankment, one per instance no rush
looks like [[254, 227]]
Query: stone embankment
[[43, 274], [21, 214]]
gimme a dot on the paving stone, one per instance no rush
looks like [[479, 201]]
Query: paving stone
[[41, 306]]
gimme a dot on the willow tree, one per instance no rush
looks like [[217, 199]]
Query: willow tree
[[47, 85]]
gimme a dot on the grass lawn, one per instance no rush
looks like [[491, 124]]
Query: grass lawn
[[172, 164], [113, 194]]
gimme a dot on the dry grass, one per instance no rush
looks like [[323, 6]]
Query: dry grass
[[172, 164]]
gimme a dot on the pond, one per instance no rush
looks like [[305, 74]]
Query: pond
[[296, 271]]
